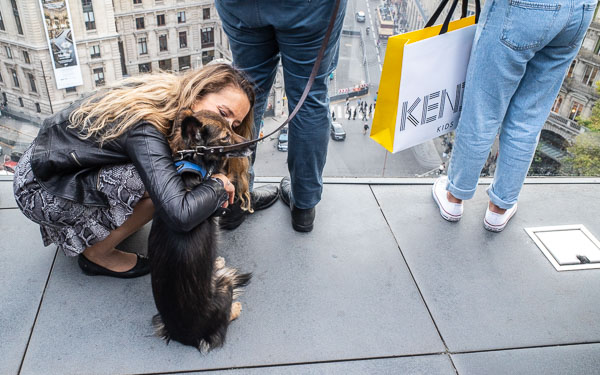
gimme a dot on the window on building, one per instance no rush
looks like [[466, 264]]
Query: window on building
[[17, 18], [207, 56], [95, 51], [4, 98], [1, 79], [145, 68], [160, 20], [182, 39], [557, 103], [576, 109], [98, 76], [90, 21], [71, 89], [597, 47], [21, 102], [208, 37], [589, 76], [26, 57], [2, 23], [8, 52], [184, 63], [162, 43], [181, 17], [88, 15], [139, 23], [206, 13], [571, 69], [15, 77], [142, 46], [135, 2], [32, 82], [164, 64], [38, 109]]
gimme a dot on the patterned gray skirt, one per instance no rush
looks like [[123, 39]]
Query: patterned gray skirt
[[72, 226]]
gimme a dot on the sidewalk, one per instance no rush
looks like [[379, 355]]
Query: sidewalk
[[383, 285]]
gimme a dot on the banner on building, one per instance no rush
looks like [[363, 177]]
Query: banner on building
[[59, 34]]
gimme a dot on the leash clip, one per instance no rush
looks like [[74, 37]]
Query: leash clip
[[201, 150]]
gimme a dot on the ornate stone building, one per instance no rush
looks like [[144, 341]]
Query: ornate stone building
[[113, 39]]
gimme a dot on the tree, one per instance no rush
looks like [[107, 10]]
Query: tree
[[585, 151]]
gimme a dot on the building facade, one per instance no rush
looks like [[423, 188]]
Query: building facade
[[114, 39]]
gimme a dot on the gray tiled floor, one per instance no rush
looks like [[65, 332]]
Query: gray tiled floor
[[557, 360], [24, 268], [489, 291], [339, 300], [314, 297]]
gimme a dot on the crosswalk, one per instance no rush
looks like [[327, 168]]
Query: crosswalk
[[340, 112]]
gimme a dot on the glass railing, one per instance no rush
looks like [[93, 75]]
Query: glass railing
[[569, 142]]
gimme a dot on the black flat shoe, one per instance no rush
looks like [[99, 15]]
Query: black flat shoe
[[302, 218], [141, 268]]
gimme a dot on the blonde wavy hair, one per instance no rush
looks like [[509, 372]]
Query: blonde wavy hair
[[157, 98]]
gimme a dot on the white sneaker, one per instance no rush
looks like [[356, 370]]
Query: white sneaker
[[449, 211], [496, 222]]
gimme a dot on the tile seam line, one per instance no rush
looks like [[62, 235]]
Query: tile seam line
[[274, 365], [525, 347], [447, 352], [37, 313]]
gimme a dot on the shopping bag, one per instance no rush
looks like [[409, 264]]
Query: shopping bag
[[422, 82]]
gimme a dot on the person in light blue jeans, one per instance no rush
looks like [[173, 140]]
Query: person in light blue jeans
[[520, 54], [261, 32]]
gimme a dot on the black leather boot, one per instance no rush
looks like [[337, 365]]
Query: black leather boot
[[302, 218], [264, 196], [233, 217], [261, 198]]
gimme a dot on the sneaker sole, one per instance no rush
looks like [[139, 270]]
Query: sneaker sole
[[446, 216], [497, 228]]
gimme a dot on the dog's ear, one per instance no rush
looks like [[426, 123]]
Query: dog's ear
[[192, 129]]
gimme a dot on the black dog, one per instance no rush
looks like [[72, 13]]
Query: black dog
[[192, 288]]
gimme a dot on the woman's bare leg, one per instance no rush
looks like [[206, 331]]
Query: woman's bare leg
[[104, 253]]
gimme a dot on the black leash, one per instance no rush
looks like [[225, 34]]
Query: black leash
[[204, 150]]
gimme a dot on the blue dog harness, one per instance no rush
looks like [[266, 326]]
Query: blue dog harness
[[184, 166]]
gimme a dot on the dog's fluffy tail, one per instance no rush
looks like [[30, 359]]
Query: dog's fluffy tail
[[159, 328], [240, 281]]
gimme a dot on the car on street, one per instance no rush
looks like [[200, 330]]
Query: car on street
[[282, 141], [360, 16], [337, 132]]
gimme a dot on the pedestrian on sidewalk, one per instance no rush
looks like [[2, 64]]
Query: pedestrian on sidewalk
[[263, 32], [513, 77], [107, 187], [354, 114], [365, 128], [333, 115]]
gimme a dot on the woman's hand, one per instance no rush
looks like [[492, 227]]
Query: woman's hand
[[229, 188]]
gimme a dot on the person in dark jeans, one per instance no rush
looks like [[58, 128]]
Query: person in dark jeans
[[261, 33]]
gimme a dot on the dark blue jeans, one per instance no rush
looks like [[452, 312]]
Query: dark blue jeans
[[261, 32]]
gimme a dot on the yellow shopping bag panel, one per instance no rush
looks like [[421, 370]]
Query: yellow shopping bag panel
[[386, 109]]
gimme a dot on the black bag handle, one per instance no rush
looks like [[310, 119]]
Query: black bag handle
[[441, 7]]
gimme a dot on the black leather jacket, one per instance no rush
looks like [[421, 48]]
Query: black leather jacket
[[67, 166]]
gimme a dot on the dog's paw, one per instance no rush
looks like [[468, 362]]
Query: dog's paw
[[219, 263], [236, 309]]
